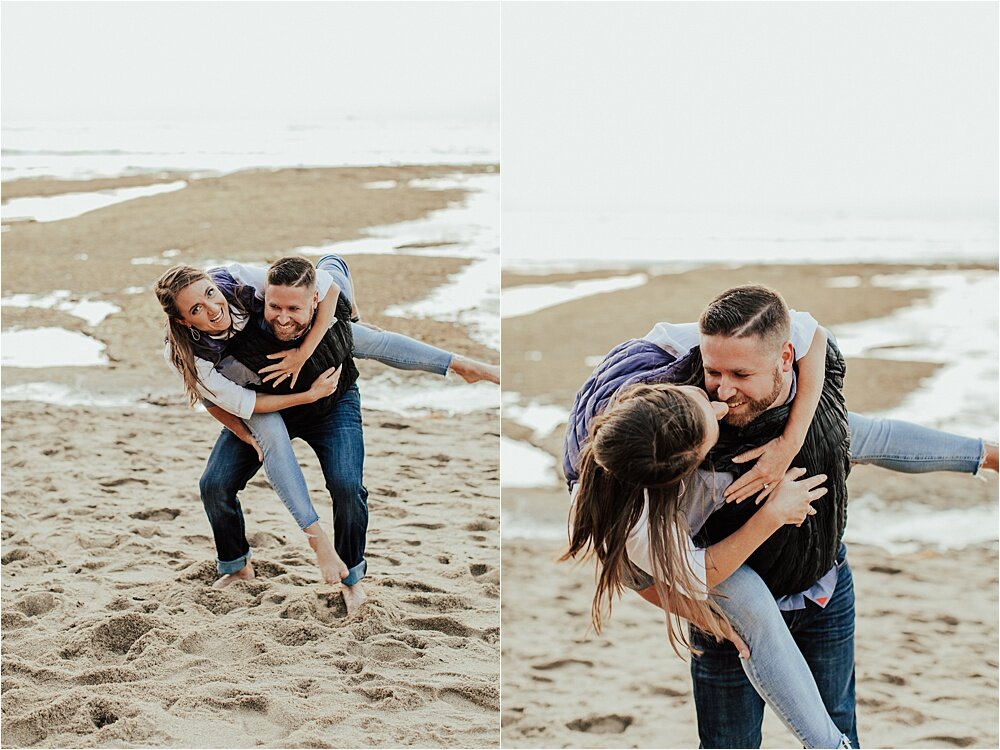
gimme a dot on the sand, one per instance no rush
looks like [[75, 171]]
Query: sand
[[112, 636], [927, 636]]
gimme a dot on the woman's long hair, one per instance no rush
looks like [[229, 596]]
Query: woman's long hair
[[182, 354], [648, 441]]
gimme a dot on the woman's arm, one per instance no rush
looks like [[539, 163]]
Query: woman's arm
[[774, 457]]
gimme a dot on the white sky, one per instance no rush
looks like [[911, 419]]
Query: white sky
[[788, 106], [295, 61]]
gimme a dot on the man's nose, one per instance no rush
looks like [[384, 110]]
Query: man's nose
[[726, 390]]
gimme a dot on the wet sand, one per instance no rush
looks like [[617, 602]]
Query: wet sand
[[112, 636]]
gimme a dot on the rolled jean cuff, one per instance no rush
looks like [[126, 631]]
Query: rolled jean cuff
[[356, 574], [227, 568]]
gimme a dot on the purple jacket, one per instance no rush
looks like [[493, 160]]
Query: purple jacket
[[635, 361]]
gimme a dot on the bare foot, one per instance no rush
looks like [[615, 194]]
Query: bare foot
[[354, 597], [990, 460], [330, 564], [243, 574], [472, 371]]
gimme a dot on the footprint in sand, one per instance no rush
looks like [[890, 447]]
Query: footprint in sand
[[562, 663], [610, 724], [161, 514], [122, 480], [947, 741]]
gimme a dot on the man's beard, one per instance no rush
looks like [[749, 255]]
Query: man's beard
[[289, 334], [753, 408]]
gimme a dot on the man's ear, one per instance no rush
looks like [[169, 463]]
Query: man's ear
[[787, 357]]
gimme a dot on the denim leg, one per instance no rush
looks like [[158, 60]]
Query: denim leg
[[729, 710], [826, 639], [906, 447], [776, 666], [399, 351], [282, 467], [230, 466], [338, 441]]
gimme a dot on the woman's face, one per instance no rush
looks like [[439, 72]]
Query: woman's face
[[203, 306], [712, 412]]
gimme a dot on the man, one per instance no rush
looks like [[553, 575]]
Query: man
[[746, 358], [331, 426]]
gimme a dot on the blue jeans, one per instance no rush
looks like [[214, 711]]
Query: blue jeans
[[393, 349], [909, 448], [338, 442], [730, 710]]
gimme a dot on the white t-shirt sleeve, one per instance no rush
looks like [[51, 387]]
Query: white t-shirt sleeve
[[256, 277], [219, 389], [674, 338], [804, 328], [638, 550], [680, 338]]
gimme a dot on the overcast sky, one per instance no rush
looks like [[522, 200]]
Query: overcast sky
[[277, 60], [751, 106]]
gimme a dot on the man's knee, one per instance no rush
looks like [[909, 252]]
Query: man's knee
[[217, 489]]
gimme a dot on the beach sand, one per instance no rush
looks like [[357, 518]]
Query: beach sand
[[112, 636], [927, 636]]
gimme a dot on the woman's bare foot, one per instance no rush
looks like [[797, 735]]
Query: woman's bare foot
[[243, 574], [330, 564], [472, 371], [990, 459], [354, 597]]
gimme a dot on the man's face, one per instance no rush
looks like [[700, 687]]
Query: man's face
[[289, 309], [749, 374]]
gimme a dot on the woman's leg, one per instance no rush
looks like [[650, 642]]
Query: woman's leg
[[776, 667], [906, 447], [285, 474], [399, 351]]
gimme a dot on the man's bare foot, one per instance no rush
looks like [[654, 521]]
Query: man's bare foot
[[472, 371], [354, 597], [330, 564], [243, 574]]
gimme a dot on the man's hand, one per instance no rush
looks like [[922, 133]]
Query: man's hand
[[290, 365], [325, 384], [773, 460]]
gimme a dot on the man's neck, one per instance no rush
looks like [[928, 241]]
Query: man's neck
[[786, 389]]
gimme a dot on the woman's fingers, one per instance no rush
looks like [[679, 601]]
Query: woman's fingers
[[747, 455]]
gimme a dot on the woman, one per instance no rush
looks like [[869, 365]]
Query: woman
[[204, 310], [640, 497]]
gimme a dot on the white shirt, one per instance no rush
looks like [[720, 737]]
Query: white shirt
[[217, 388]]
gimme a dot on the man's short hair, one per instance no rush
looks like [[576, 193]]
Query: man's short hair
[[293, 270], [750, 310]]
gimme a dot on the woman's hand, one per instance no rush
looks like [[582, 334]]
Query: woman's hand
[[792, 501], [773, 460], [290, 365], [325, 384], [241, 431]]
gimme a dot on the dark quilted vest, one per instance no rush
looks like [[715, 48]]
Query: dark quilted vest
[[252, 345], [793, 558]]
